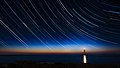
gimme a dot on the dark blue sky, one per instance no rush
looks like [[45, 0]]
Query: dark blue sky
[[61, 24]]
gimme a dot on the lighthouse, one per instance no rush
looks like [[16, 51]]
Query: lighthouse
[[84, 57]]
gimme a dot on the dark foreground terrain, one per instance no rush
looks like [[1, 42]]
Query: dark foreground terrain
[[29, 64]]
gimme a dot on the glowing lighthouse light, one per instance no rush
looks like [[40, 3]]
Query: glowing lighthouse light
[[84, 57]]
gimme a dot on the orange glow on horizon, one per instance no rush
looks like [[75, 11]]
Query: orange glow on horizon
[[48, 51]]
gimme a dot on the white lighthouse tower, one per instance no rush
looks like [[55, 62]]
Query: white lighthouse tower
[[84, 57]]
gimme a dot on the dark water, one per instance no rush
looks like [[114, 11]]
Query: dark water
[[72, 58]]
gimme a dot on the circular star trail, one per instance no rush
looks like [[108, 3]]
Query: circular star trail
[[61, 23]]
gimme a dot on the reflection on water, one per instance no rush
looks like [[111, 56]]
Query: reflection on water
[[92, 58]]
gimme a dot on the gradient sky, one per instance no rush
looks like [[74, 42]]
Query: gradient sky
[[59, 25]]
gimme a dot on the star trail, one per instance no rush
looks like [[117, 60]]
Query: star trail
[[59, 25]]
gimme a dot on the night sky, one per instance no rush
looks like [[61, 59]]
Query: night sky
[[59, 26]]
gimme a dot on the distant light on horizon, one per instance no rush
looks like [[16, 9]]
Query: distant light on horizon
[[84, 48]]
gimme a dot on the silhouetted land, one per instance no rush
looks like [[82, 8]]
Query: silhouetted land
[[31, 64]]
